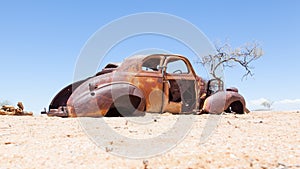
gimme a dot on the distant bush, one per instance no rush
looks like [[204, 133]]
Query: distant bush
[[5, 102], [267, 104]]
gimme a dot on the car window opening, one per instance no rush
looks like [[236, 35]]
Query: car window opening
[[151, 64], [177, 66], [174, 92]]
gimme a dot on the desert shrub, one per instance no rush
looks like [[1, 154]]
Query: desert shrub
[[4, 102]]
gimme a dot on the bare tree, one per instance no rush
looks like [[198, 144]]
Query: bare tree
[[226, 56], [267, 104]]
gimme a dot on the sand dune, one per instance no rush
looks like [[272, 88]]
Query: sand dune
[[255, 140]]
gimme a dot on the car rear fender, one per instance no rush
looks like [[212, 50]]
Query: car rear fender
[[96, 101]]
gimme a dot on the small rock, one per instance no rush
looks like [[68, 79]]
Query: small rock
[[281, 166], [259, 121], [145, 163], [132, 131], [20, 105], [107, 149], [264, 167], [233, 156]]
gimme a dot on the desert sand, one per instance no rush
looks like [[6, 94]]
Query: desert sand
[[254, 140]]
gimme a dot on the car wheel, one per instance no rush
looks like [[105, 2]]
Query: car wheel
[[126, 106], [237, 107]]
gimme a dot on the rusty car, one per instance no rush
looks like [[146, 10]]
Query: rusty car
[[155, 83]]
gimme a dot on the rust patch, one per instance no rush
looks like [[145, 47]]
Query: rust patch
[[152, 83]]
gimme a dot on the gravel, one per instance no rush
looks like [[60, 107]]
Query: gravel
[[254, 140]]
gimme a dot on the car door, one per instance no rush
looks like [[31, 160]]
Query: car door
[[179, 85], [150, 80]]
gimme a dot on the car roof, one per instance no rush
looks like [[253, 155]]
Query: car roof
[[133, 63], [142, 57]]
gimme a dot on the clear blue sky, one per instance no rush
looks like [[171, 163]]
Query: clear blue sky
[[41, 40]]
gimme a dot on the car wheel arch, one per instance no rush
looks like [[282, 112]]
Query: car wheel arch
[[224, 101], [131, 102]]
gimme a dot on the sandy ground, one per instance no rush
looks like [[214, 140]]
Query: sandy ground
[[255, 140]]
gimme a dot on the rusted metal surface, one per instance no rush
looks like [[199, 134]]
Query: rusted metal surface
[[148, 83], [228, 101]]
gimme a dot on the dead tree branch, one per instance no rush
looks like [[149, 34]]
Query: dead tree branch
[[226, 56]]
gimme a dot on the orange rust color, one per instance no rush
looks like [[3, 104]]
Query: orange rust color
[[140, 84]]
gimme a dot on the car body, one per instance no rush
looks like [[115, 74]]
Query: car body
[[153, 83]]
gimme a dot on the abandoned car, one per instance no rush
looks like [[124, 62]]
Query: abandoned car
[[154, 83]]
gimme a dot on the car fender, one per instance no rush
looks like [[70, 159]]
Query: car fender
[[95, 101], [222, 100]]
